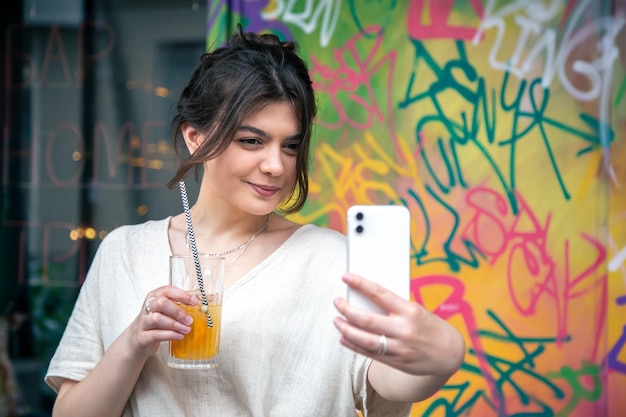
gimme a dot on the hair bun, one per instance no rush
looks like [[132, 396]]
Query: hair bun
[[251, 38]]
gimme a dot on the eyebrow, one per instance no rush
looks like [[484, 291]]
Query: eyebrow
[[260, 132]]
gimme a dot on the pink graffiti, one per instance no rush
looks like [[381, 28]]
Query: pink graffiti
[[439, 16], [532, 271], [353, 79], [454, 304]]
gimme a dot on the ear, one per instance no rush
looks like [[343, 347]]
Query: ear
[[193, 138]]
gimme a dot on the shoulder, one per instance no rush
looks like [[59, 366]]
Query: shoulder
[[318, 234], [148, 229], [315, 240], [144, 235], [136, 253]]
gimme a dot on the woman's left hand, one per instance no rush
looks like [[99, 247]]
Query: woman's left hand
[[409, 338]]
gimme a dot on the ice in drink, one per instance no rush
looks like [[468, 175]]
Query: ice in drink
[[199, 349], [202, 342]]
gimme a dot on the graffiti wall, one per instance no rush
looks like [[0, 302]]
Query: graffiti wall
[[501, 125]]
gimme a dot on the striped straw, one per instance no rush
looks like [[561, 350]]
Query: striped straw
[[194, 249]]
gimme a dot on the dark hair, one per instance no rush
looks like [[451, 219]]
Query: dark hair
[[248, 73]]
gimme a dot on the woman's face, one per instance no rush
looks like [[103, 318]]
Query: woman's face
[[257, 171]]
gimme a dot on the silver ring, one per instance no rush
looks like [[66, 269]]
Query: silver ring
[[382, 344], [147, 304]]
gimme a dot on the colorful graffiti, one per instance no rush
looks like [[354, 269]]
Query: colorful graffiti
[[500, 124]]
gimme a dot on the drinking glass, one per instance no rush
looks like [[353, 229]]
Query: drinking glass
[[199, 349]]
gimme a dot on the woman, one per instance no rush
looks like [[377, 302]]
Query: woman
[[246, 118]]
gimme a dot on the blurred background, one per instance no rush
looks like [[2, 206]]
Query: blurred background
[[88, 92]]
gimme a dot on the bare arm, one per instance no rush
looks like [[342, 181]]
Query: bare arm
[[423, 350], [436, 360], [107, 388]]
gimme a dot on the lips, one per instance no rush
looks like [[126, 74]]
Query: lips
[[265, 190]]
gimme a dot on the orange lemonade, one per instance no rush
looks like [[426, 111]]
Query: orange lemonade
[[202, 342]]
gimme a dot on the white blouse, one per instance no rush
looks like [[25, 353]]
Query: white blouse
[[279, 355]]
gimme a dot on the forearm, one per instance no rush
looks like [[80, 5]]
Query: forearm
[[396, 385], [105, 391]]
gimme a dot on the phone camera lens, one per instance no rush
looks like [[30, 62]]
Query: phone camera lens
[[359, 216], [359, 229]]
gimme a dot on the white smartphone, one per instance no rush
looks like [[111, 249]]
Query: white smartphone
[[379, 249]]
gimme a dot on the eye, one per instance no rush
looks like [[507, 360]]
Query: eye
[[249, 141], [292, 147]]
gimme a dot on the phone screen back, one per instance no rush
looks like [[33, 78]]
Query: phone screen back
[[379, 249]]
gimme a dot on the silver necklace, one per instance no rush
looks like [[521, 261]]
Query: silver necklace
[[244, 245]]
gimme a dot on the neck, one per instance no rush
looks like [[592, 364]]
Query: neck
[[228, 237]]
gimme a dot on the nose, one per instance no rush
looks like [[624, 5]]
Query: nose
[[272, 163]]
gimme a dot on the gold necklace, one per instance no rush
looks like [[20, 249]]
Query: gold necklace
[[243, 246]]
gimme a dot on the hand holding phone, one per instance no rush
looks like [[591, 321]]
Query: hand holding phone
[[379, 250]]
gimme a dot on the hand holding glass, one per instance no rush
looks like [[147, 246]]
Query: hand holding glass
[[199, 348]]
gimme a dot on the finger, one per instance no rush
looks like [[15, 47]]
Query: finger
[[148, 342], [361, 341], [159, 321], [165, 302], [158, 336], [364, 320], [380, 295], [176, 294]]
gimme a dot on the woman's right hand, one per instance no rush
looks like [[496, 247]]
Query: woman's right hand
[[160, 319]]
